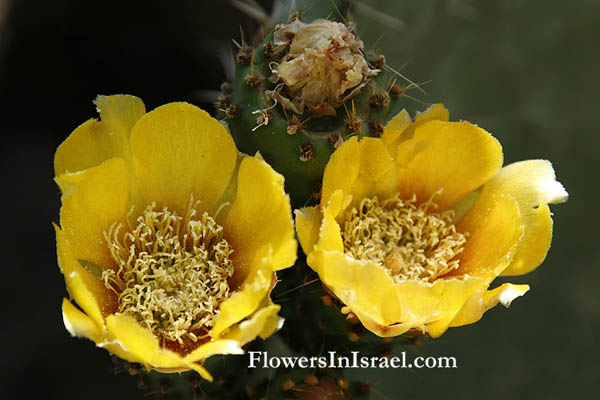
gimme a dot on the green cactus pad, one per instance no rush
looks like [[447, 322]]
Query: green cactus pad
[[298, 145]]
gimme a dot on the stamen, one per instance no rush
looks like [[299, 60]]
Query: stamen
[[264, 116], [412, 242], [172, 272]]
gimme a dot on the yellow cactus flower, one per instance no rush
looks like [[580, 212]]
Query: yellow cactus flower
[[414, 226], [162, 238]]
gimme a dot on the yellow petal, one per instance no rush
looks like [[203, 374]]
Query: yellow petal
[[360, 169], [354, 282], [396, 126], [392, 134], [504, 294], [430, 306], [78, 323], [87, 290], [493, 236], [435, 112], [178, 150], [483, 300], [272, 324], [533, 184], [308, 223], [465, 205], [223, 205], [261, 323], [94, 142], [535, 242], [140, 343], [341, 170], [384, 330], [330, 234], [456, 157], [260, 217], [215, 347], [92, 200], [455, 294], [246, 299], [377, 175], [401, 128], [388, 308]]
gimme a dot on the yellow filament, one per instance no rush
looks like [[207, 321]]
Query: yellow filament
[[412, 242], [172, 271]]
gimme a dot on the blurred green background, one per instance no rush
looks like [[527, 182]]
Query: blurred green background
[[525, 71]]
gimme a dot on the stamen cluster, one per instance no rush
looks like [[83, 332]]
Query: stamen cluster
[[412, 242], [172, 272]]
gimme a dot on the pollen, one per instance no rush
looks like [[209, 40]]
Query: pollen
[[172, 272], [410, 240]]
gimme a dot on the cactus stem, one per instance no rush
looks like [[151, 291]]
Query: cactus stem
[[164, 387], [244, 55], [287, 385], [336, 140], [269, 51], [265, 115], [316, 190], [379, 100], [352, 319], [142, 383], [296, 15], [253, 80], [364, 388], [233, 111], [306, 151], [378, 61], [352, 121], [311, 380], [274, 77], [376, 128], [133, 369], [392, 70], [251, 390], [294, 124], [342, 382], [194, 381], [397, 91], [226, 88], [224, 98], [327, 300]]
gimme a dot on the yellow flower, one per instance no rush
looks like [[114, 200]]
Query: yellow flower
[[169, 239], [413, 227]]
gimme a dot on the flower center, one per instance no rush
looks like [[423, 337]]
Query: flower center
[[172, 272], [412, 242]]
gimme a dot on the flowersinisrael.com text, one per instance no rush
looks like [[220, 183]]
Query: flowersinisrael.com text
[[261, 359]]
